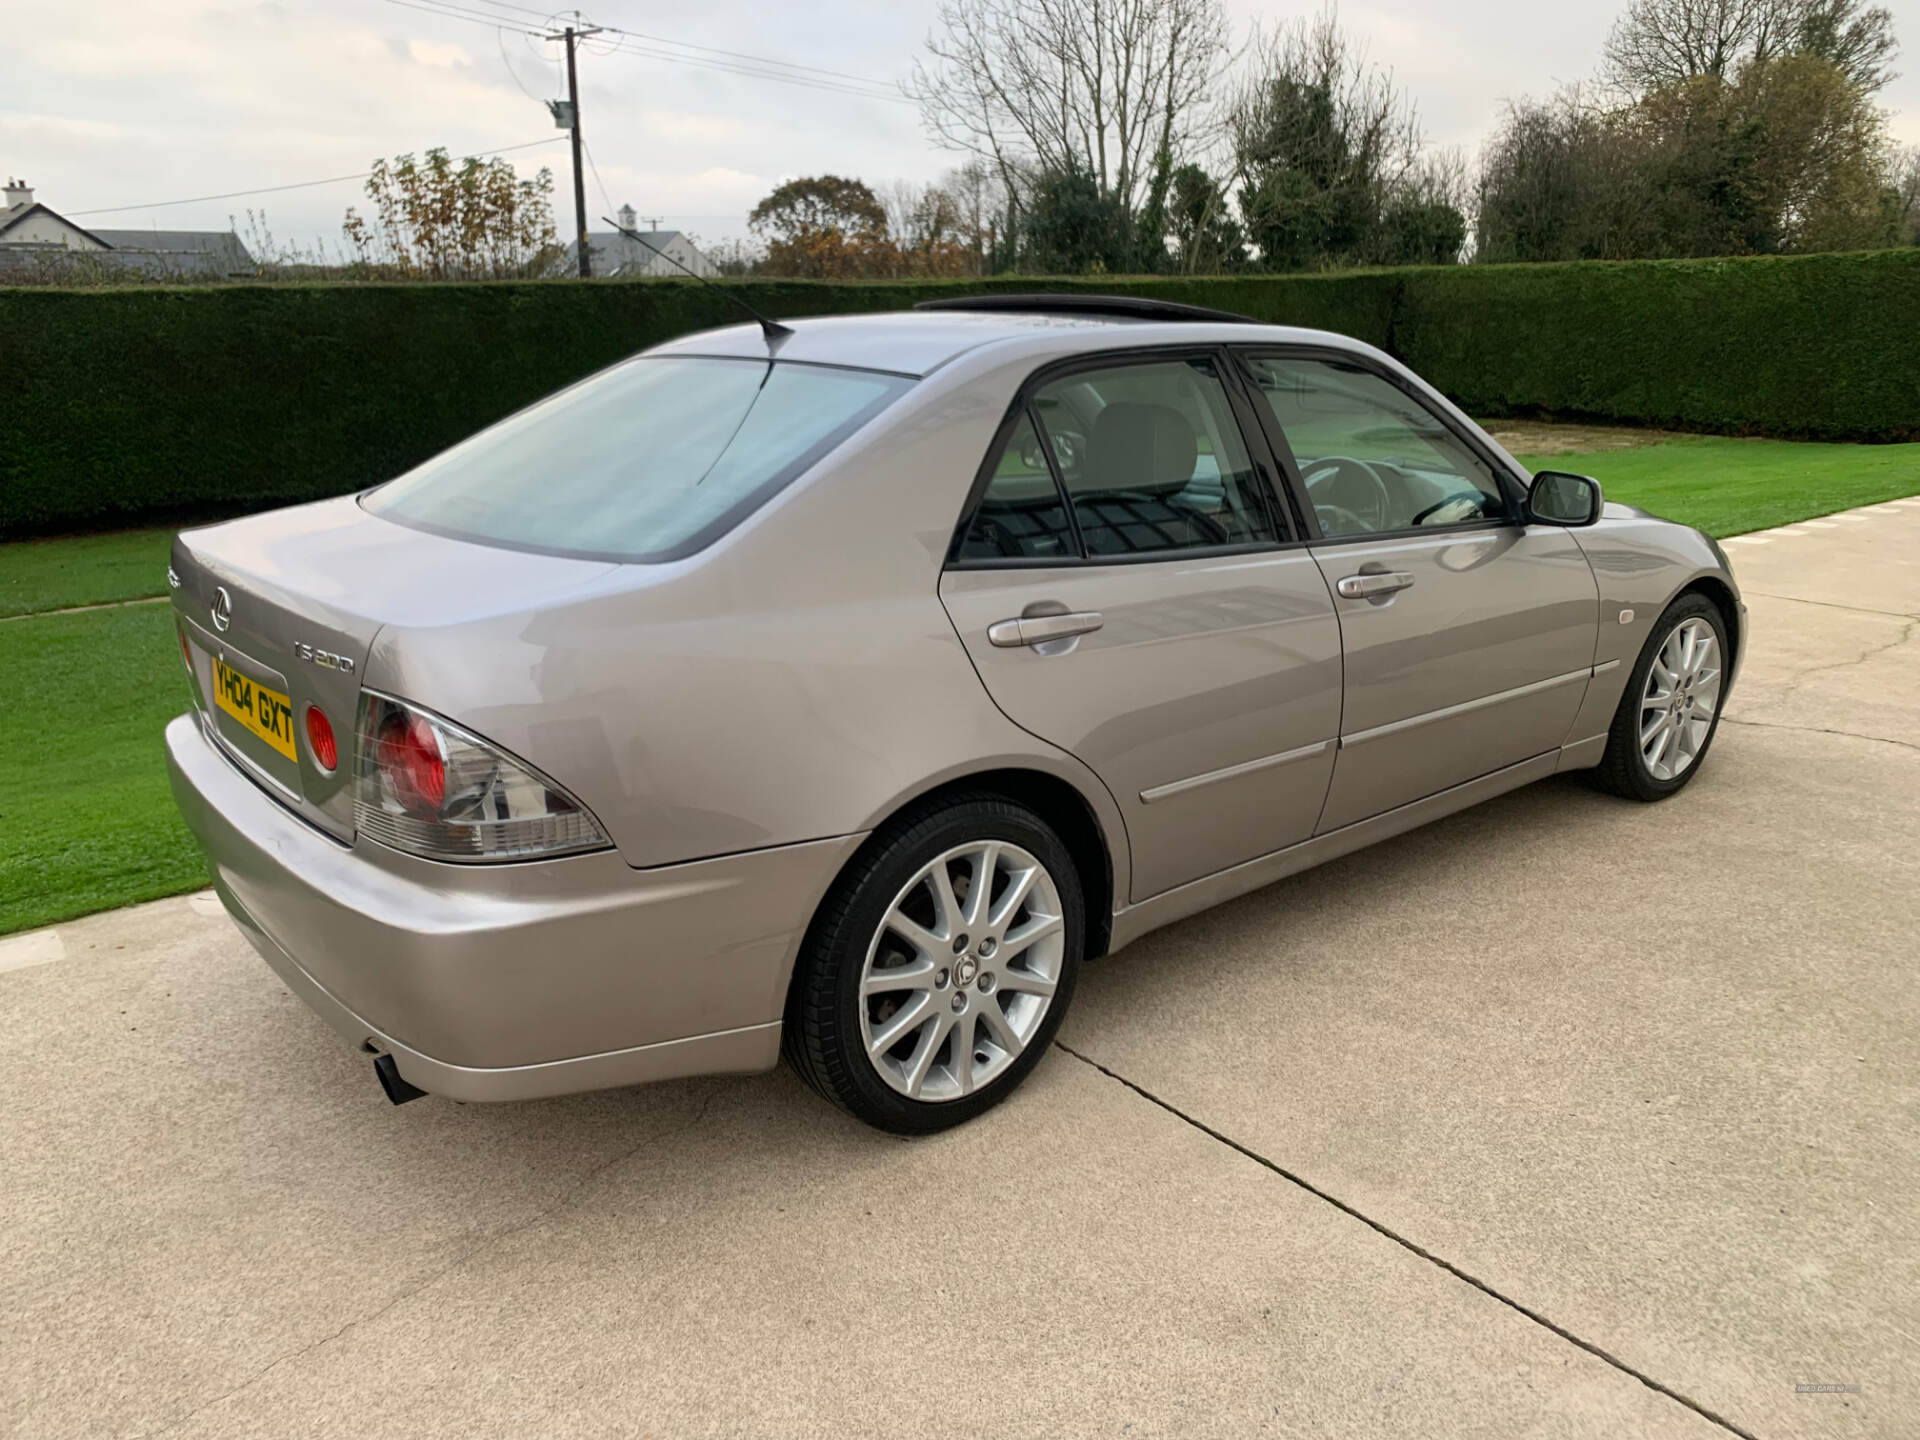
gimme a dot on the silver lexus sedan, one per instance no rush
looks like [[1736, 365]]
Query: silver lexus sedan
[[840, 687]]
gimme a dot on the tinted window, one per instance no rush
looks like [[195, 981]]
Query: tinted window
[[1373, 458], [1153, 459], [1020, 515], [647, 461]]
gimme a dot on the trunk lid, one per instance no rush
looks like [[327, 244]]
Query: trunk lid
[[281, 611]]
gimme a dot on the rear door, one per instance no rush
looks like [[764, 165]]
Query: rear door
[[1469, 637], [1129, 589]]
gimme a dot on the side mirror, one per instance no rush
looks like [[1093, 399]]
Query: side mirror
[[1557, 498]]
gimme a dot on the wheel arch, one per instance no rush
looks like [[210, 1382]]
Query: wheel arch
[[1721, 594], [1056, 800]]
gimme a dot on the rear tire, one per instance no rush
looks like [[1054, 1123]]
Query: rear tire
[[916, 1005], [1670, 710]]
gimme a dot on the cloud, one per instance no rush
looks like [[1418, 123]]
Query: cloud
[[441, 57]]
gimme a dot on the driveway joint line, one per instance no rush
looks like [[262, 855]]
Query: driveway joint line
[[1834, 605], [1415, 1248], [1821, 730]]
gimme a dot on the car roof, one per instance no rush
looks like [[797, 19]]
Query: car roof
[[918, 342]]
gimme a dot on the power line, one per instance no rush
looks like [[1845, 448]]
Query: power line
[[460, 12], [608, 199], [274, 189], [651, 47], [627, 46], [753, 59], [512, 74], [687, 44]]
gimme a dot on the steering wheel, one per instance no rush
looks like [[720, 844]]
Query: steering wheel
[[1349, 489], [1476, 498]]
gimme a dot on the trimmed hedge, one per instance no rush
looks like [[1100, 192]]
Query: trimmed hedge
[[1816, 347], [118, 406]]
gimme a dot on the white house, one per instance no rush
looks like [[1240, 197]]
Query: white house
[[32, 234], [618, 254]]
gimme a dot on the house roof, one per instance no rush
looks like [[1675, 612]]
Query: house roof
[[13, 215], [173, 242], [623, 250]]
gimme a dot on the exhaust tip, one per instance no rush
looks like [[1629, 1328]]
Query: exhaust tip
[[393, 1082]]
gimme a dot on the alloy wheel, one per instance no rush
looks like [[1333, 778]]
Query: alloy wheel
[[962, 970], [1681, 698]]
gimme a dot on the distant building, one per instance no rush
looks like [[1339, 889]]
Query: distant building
[[32, 235], [618, 254]]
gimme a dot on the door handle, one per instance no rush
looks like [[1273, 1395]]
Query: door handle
[[1365, 587], [1038, 629]]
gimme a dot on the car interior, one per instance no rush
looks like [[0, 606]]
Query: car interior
[[1371, 457], [1140, 450]]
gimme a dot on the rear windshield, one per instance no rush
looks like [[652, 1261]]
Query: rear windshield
[[650, 460]]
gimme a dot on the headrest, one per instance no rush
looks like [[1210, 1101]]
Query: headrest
[[1139, 446]]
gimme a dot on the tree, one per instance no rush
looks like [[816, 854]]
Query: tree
[[1659, 43], [926, 234], [1564, 179], [1205, 237], [1857, 42], [1071, 91], [1071, 228], [1788, 154], [433, 220], [820, 227], [1901, 198], [1325, 148]]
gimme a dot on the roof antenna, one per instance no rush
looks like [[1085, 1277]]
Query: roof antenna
[[772, 329]]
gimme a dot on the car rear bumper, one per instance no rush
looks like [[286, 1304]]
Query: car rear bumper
[[510, 981]]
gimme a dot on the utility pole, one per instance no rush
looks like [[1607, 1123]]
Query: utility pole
[[579, 180]]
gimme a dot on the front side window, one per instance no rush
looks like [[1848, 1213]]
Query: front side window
[[647, 461], [1372, 457]]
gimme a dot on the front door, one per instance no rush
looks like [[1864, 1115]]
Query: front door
[[1469, 637], [1128, 590]]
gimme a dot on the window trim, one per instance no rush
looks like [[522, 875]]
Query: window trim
[[1510, 489], [1241, 407]]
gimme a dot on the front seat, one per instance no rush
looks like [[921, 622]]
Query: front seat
[[1139, 457]]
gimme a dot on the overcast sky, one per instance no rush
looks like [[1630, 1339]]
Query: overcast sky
[[110, 103]]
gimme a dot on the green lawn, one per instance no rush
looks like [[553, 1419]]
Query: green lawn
[[86, 819], [40, 575], [1727, 487]]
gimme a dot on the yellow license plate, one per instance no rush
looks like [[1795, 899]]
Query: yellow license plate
[[267, 713]]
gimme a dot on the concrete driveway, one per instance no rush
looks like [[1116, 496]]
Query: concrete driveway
[[1565, 1116]]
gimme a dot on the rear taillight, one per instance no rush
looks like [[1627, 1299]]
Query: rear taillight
[[320, 742], [413, 763], [424, 785]]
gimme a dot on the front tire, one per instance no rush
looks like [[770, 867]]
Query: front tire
[[939, 966], [1670, 711]]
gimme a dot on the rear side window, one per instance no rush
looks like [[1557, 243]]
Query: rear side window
[[648, 461], [1149, 456], [1021, 515]]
